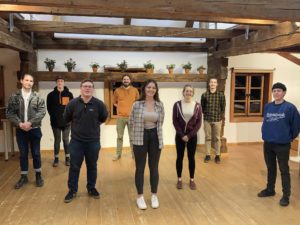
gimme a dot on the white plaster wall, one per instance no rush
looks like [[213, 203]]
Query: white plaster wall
[[11, 62], [169, 92], [284, 71]]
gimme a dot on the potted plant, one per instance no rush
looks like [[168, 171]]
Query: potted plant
[[149, 66], [187, 67], [50, 64], [170, 68], [70, 64], [201, 69], [94, 66], [123, 65]]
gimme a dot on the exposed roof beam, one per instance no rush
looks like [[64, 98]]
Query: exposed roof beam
[[113, 45], [290, 57], [127, 21], [189, 23], [250, 12], [15, 39], [283, 35], [93, 28]]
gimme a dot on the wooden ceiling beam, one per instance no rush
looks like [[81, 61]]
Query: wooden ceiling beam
[[15, 40], [93, 28], [116, 45], [189, 23], [209, 11], [279, 36]]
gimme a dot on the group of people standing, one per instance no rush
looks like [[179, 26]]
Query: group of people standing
[[143, 113]]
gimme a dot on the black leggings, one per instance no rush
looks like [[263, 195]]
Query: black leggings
[[150, 147], [191, 149]]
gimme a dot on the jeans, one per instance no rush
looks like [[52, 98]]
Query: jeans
[[282, 153], [79, 151], [191, 150], [25, 139], [151, 146], [121, 124], [57, 138]]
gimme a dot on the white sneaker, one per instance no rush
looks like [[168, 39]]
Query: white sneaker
[[141, 203], [154, 201]]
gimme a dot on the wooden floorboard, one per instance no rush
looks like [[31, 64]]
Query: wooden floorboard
[[226, 193]]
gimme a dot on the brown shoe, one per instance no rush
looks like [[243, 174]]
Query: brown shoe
[[193, 185], [179, 184]]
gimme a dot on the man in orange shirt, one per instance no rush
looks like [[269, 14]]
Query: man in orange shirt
[[124, 97]]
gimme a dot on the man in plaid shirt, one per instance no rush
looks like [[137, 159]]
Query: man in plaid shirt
[[213, 107]]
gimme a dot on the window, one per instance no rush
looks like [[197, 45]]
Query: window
[[250, 91], [109, 88]]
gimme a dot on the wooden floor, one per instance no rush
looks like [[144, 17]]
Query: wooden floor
[[226, 193]]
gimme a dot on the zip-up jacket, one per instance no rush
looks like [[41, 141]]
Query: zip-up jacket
[[56, 104], [192, 126], [36, 109], [85, 118]]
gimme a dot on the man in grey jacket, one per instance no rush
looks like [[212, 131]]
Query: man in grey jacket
[[25, 110]]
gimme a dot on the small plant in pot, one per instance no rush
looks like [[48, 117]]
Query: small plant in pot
[[95, 66], [187, 67], [70, 64], [201, 69], [149, 66], [170, 68], [123, 65], [50, 64]]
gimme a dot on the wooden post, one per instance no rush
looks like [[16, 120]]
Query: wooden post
[[217, 67], [28, 64]]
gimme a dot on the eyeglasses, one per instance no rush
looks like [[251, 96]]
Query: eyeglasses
[[87, 86]]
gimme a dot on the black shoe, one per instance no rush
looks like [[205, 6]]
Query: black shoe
[[22, 181], [39, 180], [207, 158], [266, 193], [55, 162], [67, 162], [70, 196], [284, 201], [94, 193], [217, 159]]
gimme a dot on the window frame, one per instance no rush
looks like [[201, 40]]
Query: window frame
[[266, 94]]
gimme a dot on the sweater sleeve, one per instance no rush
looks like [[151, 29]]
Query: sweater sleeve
[[198, 124], [103, 113], [295, 123], [178, 128]]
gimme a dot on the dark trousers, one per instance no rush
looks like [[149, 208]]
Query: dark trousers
[[25, 139], [282, 153], [151, 146], [191, 150], [79, 151], [57, 138]]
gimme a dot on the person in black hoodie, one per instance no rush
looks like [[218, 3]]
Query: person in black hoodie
[[56, 104]]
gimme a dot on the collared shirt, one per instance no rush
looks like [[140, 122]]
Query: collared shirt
[[137, 123], [213, 106]]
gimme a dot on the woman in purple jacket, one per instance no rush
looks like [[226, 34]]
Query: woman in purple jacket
[[187, 117]]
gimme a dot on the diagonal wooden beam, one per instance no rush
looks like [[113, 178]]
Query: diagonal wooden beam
[[116, 45], [93, 28], [207, 11], [15, 39], [283, 35], [290, 57]]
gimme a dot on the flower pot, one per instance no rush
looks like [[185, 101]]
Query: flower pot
[[171, 70], [187, 71], [95, 69], [201, 71], [149, 70], [50, 68], [69, 69]]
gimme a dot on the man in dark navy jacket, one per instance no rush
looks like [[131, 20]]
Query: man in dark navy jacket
[[86, 113], [280, 126], [56, 104]]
